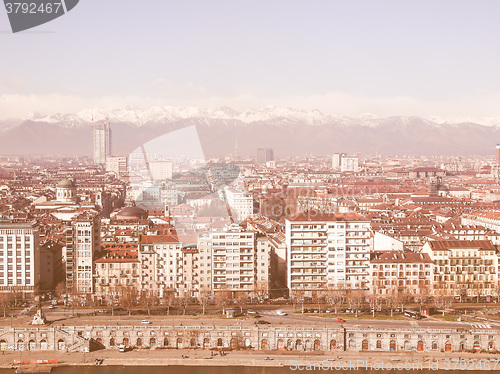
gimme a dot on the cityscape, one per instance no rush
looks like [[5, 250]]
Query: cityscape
[[211, 187], [254, 243]]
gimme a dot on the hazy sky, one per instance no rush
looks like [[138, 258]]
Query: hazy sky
[[430, 58]]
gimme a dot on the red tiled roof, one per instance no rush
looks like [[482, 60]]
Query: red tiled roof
[[152, 239], [400, 257], [443, 245]]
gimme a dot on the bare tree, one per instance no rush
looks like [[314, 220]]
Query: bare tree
[[60, 289], [169, 298], [148, 299], [183, 300], [222, 298], [241, 299], [318, 296], [6, 301], [355, 299], [299, 295], [391, 301], [261, 290], [423, 295], [402, 298], [204, 298], [442, 299], [128, 298], [375, 302], [335, 296]]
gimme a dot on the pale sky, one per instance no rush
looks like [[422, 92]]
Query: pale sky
[[429, 58]]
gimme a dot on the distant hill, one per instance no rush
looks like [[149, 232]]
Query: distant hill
[[289, 131]]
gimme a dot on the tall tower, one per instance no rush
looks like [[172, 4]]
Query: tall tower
[[264, 155], [101, 140], [498, 155]]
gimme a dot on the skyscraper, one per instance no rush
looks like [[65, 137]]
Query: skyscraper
[[102, 147], [264, 155]]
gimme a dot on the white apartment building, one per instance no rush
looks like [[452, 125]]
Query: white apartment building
[[231, 260], [161, 262], [19, 257], [349, 163], [82, 242], [240, 202], [327, 250], [161, 170], [464, 268], [117, 165]]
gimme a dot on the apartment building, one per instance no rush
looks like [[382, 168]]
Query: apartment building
[[82, 242], [19, 257], [398, 272], [161, 262], [231, 260], [240, 202], [118, 270], [327, 250], [464, 268]]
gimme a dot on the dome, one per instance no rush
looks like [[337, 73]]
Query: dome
[[132, 212], [66, 183]]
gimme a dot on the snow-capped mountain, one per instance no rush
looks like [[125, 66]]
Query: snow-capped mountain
[[163, 114], [270, 114], [289, 131]]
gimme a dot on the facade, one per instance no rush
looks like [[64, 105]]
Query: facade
[[278, 338], [398, 272], [464, 268], [82, 242], [19, 257], [327, 250], [264, 155], [337, 161], [118, 270], [117, 165], [102, 144], [229, 261], [51, 269], [349, 164], [161, 170], [240, 202], [161, 262]]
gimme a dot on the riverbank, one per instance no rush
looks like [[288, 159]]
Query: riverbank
[[334, 360]]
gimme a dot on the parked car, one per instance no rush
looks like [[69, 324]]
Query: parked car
[[281, 313], [262, 322], [121, 348], [145, 322], [340, 319], [51, 306]]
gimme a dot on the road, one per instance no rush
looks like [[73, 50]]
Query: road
[[326, 320], [61, 315]]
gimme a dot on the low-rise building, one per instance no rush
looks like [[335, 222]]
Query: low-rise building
[[464, 268], [397, 272]]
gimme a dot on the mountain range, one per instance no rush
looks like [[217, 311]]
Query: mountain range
[[288, 131]]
